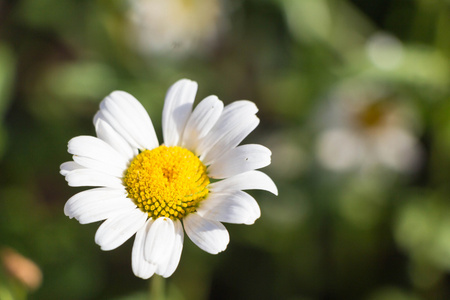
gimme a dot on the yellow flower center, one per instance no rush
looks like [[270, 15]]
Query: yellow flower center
[[373, 115], [166, 182]]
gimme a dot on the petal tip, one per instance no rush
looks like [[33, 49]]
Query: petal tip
[[274, 190]]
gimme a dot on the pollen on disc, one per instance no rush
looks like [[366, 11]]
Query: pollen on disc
[[166, 182]]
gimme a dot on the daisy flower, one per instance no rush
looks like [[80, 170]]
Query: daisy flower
[[366, 127], [195, 179], [177, 27]]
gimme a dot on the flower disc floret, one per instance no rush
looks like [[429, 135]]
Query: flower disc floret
[[166, 182]]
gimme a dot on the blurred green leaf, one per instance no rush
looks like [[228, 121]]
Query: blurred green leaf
[[423, 229], [82, 80]]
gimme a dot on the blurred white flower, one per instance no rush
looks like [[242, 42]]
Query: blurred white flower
[[177, 27], [364, 127], [154, 190]]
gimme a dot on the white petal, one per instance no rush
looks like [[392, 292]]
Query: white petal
[[159, 241], [237, 207], [86, 177], [117, 142], [177, 109], [121, 129], [340, 149], [167, 268], [210, 236], [239, 160], [202, 119], [397, 148], [97, 204], [141, 267], [246, 181], [96, 149], [230, 138], [93, 164], [69, 166], [117, 230], [128, 117], [236, 122]]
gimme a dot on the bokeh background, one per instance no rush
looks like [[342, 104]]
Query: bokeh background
[[354, 100]]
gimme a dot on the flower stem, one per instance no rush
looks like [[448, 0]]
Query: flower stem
[[156, 288]]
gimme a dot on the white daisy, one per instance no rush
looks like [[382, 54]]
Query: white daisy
[[195, 179], [177, 27], [367, 127]]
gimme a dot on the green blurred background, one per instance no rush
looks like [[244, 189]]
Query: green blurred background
[[354, 100]]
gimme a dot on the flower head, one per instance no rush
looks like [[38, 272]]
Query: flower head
[[366, 126], [178, 27], [194, 180]]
